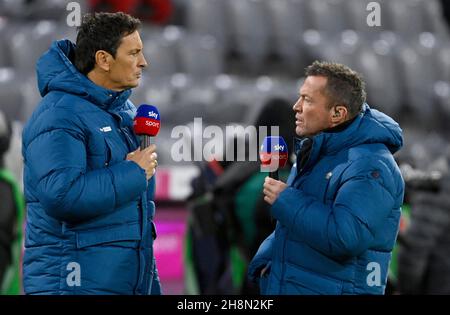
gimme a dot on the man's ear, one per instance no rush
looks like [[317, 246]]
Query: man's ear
[[339, 114], [103, 60]]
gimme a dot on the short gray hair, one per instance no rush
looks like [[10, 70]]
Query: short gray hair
[[344, 86]]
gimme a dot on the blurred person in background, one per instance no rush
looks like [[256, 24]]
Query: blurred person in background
[[338, 215], [89, 188], [424, 245], [229, 217], [252, 212], [11, 219]]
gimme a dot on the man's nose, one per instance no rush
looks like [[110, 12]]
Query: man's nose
[[143, 62], [297, 106]]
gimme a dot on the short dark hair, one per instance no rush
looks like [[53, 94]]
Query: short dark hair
[[344, 86], [101, 31]]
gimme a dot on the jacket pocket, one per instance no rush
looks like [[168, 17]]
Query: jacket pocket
[[333, 183], [301, 281], [98, 159], [126, 235], [116, 151]]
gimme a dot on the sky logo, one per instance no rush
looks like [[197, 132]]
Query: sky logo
[[278, 147], [152, 114]]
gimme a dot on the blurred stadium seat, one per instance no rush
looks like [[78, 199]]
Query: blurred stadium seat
[[191, 98], [250, 32], [11, 97], [441, 90], [4, 52], [161, 54], [407, 16], [31, 98], [317, 45], [417, 60], [208, 17], [433, 15], [443, 60], [156, 91], [12, 8], [50, 9], [328, 15], [289, 19], [201, 56], [31, 40], [383, 84]]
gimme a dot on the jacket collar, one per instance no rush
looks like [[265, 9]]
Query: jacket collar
[[368, 127], [328, 140]]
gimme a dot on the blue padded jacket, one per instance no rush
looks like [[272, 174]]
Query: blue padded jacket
[[337, 221], [90, 212]]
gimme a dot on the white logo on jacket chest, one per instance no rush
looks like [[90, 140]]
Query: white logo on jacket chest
[[328, 175], [106, 129]]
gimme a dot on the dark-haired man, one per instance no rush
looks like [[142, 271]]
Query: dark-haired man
[[88, 186], [338, 214]]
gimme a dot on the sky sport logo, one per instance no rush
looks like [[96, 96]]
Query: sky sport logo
[[278, 147]]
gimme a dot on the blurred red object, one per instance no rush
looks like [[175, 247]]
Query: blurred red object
[[126, 6], [153, 11]]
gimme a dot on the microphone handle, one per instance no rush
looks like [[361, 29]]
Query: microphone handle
[[274, 175], [145, 141]]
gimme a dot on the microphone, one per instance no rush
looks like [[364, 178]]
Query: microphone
[[146, 124], [273, 155]]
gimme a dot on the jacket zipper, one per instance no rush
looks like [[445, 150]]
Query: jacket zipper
[[283, 258], [143, 216], [302, 170], [294, 182]]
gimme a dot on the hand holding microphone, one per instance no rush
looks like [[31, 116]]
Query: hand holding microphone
[[272, 189], [146, 159], [273, 155], [146, 125]]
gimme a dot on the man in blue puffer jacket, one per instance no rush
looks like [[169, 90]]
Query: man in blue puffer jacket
[[338, 215], [88, 186]]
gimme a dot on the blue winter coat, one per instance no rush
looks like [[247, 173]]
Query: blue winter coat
[[337, 221], [90, 212]]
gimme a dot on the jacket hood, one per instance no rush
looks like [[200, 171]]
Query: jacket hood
[[370, 126], [56, 72]]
